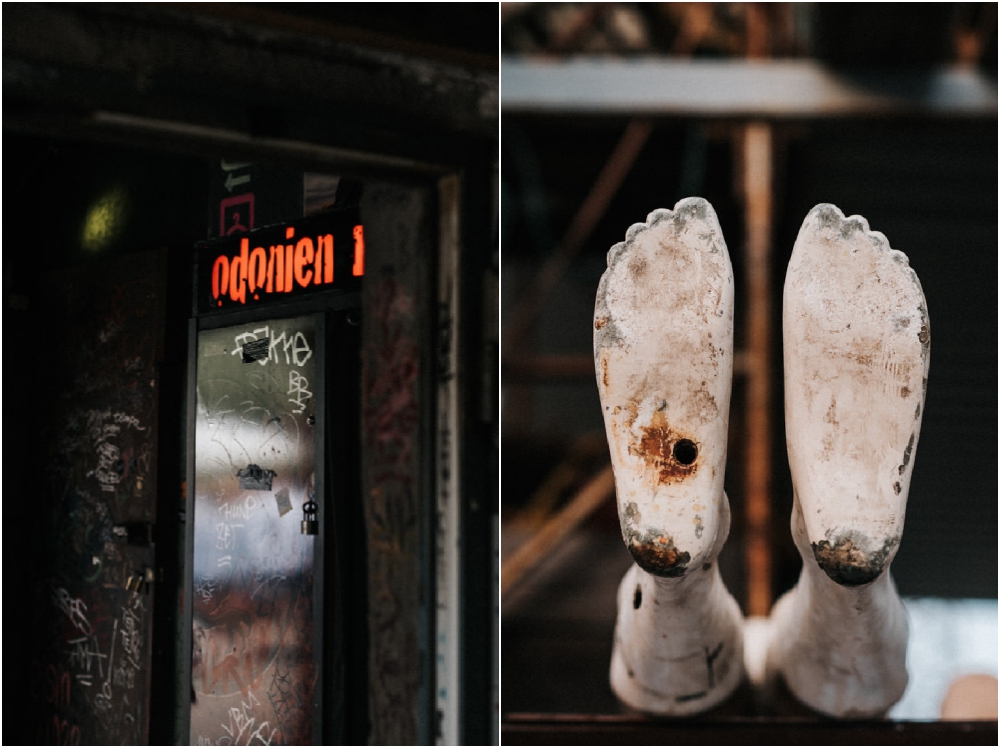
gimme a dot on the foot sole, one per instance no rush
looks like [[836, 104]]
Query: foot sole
[[663, 350]]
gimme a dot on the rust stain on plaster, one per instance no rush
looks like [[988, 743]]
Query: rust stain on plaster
[[657, 554], [852, 561], [653, 549], [706, 401], [600, 322], [637, 266], [831, 413], [656, 448]]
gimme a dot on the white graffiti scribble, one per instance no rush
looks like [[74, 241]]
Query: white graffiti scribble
[[240, 509], [297, 386], [226, 535], [124, 676], [131, 637], [85, 655], [295, 347], [242, 723], [205, 588], [108, 456], [74, 608], [103, 426]]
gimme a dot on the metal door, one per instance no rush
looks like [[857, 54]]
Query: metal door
[[254, 668]]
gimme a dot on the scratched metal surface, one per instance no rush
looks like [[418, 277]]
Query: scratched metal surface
[[90, 636], [253, 668]]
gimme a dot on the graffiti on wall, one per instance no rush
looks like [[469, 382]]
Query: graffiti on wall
[[390, 421], [89, 673]]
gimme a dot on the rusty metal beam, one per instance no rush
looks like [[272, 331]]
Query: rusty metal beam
[[580, 228], [757, 181]]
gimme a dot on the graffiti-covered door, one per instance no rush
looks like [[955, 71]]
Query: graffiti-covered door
[[94, 488], [254, 670]]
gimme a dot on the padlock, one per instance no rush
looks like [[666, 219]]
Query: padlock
[[310, 525], [139, 581]]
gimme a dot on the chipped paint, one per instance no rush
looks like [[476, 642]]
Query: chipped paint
[[656, 553], [855, 333], [853, 560], [663, 340], [907, 453]]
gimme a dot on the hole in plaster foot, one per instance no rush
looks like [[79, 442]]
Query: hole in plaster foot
[[685, 452]]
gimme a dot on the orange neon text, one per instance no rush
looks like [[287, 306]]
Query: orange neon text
[[280, 268], [359, 251]]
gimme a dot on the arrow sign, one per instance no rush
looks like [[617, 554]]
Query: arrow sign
[[232, 181]]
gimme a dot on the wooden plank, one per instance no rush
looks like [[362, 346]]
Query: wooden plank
[[615, 730], [598, 490]]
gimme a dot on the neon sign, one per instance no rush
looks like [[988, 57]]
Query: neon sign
[[320, 253]]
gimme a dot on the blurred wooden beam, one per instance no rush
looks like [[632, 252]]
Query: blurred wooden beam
[[591, 211], [736, 88], [593, 494]]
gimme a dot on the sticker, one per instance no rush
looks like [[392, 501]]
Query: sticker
[[255, 478], [236, 213], [284, 502], [256, 350]]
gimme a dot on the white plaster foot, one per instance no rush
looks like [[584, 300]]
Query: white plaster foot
[[856, 346], [663, 339], [678, 646]]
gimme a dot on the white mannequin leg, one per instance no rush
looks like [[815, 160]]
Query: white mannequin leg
[[856, 345], [678, 646], [663, 349]]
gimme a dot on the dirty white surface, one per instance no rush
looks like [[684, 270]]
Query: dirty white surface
[[678, 646], [856, 353], [856, 349], [565, 619], [948, 639], [663, 350]]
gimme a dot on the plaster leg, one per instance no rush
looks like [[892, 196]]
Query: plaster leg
[[856, 346], [663, 349]]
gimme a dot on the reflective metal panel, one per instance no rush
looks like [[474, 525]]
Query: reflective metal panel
[[253, 669]]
